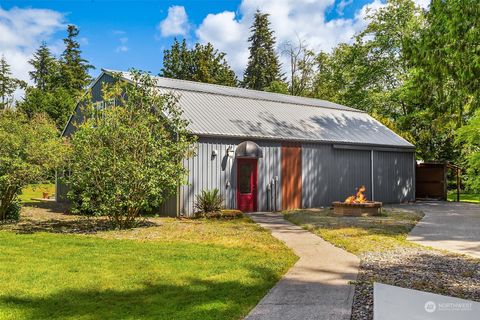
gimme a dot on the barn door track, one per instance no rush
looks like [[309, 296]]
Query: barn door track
[[318, 286]]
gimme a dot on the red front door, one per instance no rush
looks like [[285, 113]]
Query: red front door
[[247, 185]]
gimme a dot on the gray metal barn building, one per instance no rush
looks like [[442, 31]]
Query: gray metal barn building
[[268, 151]]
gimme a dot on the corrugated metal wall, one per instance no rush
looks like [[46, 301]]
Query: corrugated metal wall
[[330, 174], [207, 172], [395, 176]]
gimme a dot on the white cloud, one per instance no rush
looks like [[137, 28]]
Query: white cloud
[[342, 5], [227, 35], [176, 22], [22, 31], [84, 41], [228, 31], [422, 3], [123, 45]]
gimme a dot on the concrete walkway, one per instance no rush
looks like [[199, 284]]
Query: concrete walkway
[[317, 286], [452, 226]]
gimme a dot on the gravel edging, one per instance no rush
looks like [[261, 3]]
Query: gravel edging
[[415, 268]]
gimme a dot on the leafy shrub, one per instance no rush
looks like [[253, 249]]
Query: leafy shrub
[[127, 158], [208, 202], [30, 150], [468, 138], [231, 214], [13, 211], [227, 214]]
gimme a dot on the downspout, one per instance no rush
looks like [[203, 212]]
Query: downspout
[[371, 174]]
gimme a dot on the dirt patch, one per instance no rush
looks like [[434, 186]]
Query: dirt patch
[[55, 218]]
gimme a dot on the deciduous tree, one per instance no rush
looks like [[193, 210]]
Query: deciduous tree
[[30, 150], [203, 63], [302, 67], [468, 139]]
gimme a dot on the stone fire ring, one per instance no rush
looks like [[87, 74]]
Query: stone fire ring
[[370, 208]]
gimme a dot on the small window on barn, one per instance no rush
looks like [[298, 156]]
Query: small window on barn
[[98, 107], [110, 103]]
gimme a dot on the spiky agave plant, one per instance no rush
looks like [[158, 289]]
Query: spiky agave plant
[[209, 201]]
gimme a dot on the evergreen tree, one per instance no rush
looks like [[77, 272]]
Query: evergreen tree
[[263, 66], [203, 63], [58, 84], [44, 68], [8, 85], [177, 61], [57, 103], [74, 69]]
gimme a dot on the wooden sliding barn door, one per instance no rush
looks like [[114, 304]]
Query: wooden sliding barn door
[[291, 179]]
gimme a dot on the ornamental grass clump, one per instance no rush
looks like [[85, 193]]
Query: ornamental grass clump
[[209, 203], [128, 157]]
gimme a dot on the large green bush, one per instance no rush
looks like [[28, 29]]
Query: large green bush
[[128, 157], [30, 150], [468, 139]]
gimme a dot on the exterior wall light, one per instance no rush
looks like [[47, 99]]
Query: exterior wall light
[[230, 152]]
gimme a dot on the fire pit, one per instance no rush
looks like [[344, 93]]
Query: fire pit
[[357, 205]]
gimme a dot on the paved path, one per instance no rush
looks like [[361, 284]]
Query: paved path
[[317, 286], [452, 226]]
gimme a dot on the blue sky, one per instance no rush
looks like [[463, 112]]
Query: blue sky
[[124, 34]]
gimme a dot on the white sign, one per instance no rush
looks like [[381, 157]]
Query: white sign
[[395, 303]]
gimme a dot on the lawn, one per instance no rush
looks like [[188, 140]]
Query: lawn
[[172, 269], [387, 257], [36, 191], [358, 234], [464, 197]]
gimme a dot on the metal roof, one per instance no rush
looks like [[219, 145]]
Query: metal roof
[[214, 110]]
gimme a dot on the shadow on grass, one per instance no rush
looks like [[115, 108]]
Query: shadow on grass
[[53, 217], [50, 206], [196, 299], [389, 223], [81, 225]]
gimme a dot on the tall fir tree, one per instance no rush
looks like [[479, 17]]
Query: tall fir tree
[[74, 69], [58, 83], [8, 85], [203, 63], [44, 68], [263, 68]]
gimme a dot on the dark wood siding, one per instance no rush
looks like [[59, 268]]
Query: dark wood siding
[[291, 176], [431, 180]]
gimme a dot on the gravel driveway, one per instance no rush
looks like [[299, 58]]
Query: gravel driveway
[[452, 226]]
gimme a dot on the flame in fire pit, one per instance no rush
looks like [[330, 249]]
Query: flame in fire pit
[[359, 197]]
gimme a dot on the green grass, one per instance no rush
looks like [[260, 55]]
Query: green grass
[[179, 269], [358, 234], [464, 197], [36, 191]]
